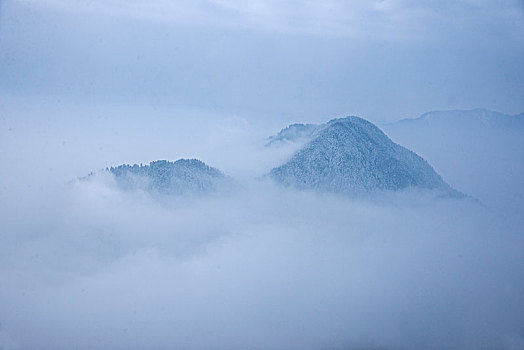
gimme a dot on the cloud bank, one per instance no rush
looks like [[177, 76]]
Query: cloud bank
[[85, 265], [267, 268]]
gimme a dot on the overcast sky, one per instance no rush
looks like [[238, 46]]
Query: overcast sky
[[290, 61]]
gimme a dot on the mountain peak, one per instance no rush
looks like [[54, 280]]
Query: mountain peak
[[352, 155]]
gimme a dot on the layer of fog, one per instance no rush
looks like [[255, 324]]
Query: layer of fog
[[84, 265]]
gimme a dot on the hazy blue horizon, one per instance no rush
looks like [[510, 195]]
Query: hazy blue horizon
[[383, 60]]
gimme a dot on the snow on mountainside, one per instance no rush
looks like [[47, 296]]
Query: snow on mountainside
[[185, 176], [351, 155]]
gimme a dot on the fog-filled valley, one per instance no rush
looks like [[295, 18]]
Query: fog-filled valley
[[86, 264]]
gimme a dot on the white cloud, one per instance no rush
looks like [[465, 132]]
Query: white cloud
[[264, 268], [86, 266]]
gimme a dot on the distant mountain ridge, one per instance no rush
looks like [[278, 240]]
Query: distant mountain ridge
[[292, 133], [473, 118], [351, 155], [184, 176]]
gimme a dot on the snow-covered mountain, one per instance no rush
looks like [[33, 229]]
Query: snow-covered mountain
[[185, 176], [351, 155]]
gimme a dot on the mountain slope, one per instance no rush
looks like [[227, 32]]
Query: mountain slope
[[352, 155], [185, 176]]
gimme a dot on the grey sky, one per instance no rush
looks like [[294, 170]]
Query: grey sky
[[289, 61]]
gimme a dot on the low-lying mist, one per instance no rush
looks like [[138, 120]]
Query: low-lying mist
[[86, 265]]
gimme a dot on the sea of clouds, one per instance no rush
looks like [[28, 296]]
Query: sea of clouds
[[85, 265]]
